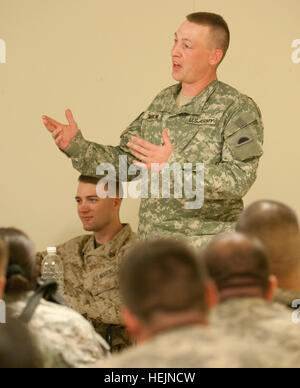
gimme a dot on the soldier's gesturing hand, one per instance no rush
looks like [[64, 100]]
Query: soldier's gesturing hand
[[62, 134], [150, 155]]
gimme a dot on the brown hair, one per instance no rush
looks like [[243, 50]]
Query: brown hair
[[21, 261], [94, 180], [17, 348], [162, 276], [220, 33]]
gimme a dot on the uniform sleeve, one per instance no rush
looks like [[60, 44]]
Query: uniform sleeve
[[86, 156], [234, 175]]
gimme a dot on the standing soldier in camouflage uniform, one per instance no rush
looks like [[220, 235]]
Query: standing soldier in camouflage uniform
[[91, 263], [198, 120], [277, 226], [239, 266]]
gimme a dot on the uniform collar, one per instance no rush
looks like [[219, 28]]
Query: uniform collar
[[111, 247], [286, 297], [196, 105]]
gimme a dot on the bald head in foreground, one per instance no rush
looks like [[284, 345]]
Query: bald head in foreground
[[240, 267], [277, 227]]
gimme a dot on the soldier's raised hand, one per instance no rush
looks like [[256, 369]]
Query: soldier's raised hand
[[61, 133]]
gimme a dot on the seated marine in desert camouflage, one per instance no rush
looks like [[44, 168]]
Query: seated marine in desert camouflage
[[91, 262]]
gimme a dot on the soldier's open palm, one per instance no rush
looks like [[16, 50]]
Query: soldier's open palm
[[61, 133]]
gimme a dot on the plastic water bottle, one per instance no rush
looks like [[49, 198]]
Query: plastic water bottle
[[53, 269]]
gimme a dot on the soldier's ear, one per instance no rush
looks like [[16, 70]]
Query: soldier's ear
[[273, 284], [132, 324], [216, 57], [212, 295]]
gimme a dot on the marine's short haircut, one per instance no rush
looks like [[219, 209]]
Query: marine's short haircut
[[3, 257], [235, 261], [94, 180], [220, 33], [277, 226], [162, 276]]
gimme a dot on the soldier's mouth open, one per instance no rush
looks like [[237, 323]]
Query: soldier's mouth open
[[176, 66]]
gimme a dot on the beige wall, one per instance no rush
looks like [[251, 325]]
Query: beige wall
[[106, 60]]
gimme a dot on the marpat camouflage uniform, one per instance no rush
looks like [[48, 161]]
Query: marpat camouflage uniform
[[63, 337], [221, 128], [91, 282], [254, 319], [201, 347]]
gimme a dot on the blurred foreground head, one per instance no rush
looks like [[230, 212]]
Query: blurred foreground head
[[277, 227], [239, 266], [164, 284], [3, 266], [17, 349], [20, 275]]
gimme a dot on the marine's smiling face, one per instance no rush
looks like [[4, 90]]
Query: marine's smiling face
[[94, 212], [192, 53]]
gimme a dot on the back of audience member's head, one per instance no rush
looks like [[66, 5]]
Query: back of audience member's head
[[17, 348], [239, 266], [20, 276], [164, 284], [3, 265], [277, 226]]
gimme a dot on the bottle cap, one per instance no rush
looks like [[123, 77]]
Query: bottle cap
[[51, 250]]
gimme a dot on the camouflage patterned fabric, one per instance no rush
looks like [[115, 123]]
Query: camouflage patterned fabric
[[254, 319], [64, 338], [91, 281], [200, 347], [221, 128], [286, 297]]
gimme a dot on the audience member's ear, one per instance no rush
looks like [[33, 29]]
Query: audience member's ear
[[2, 286], [273, 283], [117, 203], [212, 295], [132, 324]]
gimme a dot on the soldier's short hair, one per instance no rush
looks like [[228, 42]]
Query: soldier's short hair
[[162, 276], [3, 257], [277, 226], [220, 33], [235, 261], [20, 276], [94, 180]]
